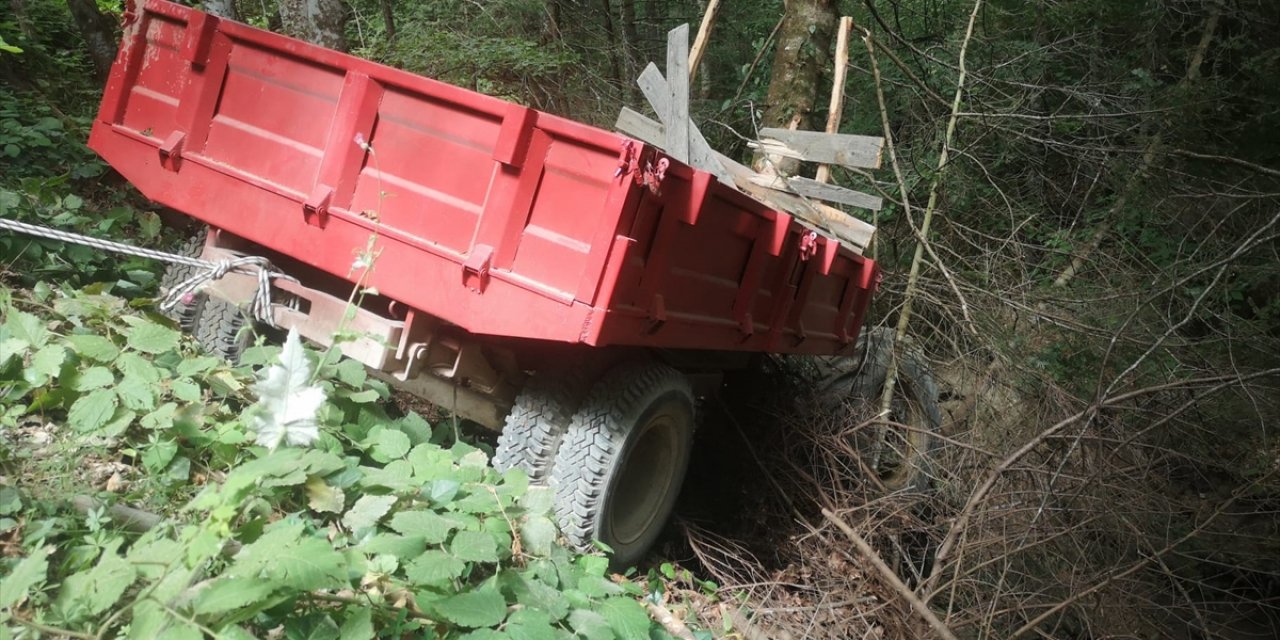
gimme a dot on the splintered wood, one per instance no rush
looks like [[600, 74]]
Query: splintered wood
[[676, 134]]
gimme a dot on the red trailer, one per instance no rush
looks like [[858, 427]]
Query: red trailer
[[566, 284]]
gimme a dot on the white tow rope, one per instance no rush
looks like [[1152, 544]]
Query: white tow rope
[[248, 265]]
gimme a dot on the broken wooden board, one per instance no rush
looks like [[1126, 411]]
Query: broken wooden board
[[846, 150], [832, 193], [843, 227], [655, 89], [677, 112]]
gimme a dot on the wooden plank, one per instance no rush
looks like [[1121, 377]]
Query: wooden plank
[[831, 193], [700, 42], [849, 230], [843, 227], [836, 110], [843, 149], [677, 120], [701, 155]]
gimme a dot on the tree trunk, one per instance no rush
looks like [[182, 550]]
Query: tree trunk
[[803, 54], [389, 19], [322, 22], [222, 9], [613, 45], [22, 18], [99, 33]]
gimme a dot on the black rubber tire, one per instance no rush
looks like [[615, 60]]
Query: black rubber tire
[[859, 389], [620, 466], [537, 423], [223, 329], [185, 314]]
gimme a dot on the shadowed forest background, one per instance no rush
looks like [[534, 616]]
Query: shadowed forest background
[[1099, 290]]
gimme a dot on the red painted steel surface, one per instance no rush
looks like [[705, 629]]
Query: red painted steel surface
[[492, 216]]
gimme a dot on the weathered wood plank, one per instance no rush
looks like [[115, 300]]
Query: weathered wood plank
[[677, 120], [828, 148], [701, 155], [832, 193]]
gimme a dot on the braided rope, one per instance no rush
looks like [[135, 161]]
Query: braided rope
[[248, 265]]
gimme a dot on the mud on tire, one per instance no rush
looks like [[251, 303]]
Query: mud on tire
[[622, 461]]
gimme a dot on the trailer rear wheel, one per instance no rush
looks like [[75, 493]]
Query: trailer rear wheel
[[186, 312], [537, 423], [623, 459], [223, 329], [900, 449]]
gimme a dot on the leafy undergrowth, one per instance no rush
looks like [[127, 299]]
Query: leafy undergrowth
[[290, 504]]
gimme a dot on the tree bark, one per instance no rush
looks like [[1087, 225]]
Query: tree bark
[[99, 33], [322, 22], [222, 9], [389, 19], [803, 53]]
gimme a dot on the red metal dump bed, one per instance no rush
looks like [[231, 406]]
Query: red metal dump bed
[[495, 217]]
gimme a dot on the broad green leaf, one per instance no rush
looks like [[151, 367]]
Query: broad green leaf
[[10, 501], [91, 592], [287, 401], [193, 366], [538, 534], [94, 378], [434, 567], [537, 594], [403, 547], [10, 347], [591, 625], [94, 347], [285, 554], [528, 624], [444, 490], [157, 457], [313, 626], [47, 362], [351, 372], [538, 500], [367, 511], [397, 475], [358, 625], [484, 607], [92, 410], [474, 546], [323, 498], [227, 594], [136, 394], [363, 397], [389, 444], [417, 428], [626, 617], [27, 327], [186, 390], [160, 419], [149, 337], [136, 366], [29, 572], [433, 527], [486, 634]]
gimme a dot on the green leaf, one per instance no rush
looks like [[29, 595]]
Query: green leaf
[[351, 372], [323, 498], [474, 546], [48, 361], [431, 526], [314, 626], [296, 560], [527, 624], [402, 547], [93, 378], [94, 347], [228, 594], [434, 567], [389, 444], [591, 625], [10, 347], [484, 607], [149, 337], [91, 592], [538, 535], [186, 390], [92, 410], [626, 617], [358, 625], [367, 511], [26, 327], [136, 394], [193, 366], [136, 366], [157, 457], [29, 572]]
